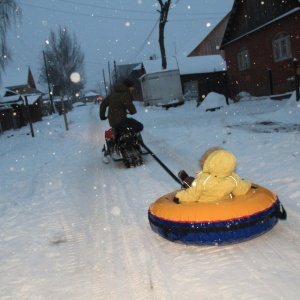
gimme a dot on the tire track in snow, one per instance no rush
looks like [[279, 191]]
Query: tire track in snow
[[79, 222], [129, 226], [124, 242]]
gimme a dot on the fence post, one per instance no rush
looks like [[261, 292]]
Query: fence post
[[64, 112], [297, 75], [226, 87], [29, 116]]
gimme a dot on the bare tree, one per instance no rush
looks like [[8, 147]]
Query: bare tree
[[9, 14], [63, 57], [162, 23]]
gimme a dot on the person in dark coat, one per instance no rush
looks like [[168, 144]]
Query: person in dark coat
[[119, 104]]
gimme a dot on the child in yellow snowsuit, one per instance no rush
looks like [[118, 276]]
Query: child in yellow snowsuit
[[216, 181]]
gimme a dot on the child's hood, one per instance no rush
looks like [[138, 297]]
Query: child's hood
[[220, 163]]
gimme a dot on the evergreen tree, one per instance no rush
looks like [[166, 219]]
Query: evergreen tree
[[63, 57]]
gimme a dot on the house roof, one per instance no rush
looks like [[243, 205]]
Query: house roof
[[153, 66], [15, 77], [20, 81], [19, 99], [264, 25], [201, 64], [188, 65], [261, 16], [209, 45], [32, 99], [15, 99]]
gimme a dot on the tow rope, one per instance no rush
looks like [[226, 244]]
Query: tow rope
[[162, 164]]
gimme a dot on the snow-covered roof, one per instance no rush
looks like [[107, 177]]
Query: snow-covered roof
[[188, 65], [4, 106], [19, 99], [201, 64], [138, 67], [32, 99], [17, 76], [153, 66], [15, 99]]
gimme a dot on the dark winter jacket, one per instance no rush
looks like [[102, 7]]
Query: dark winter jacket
[[119, 103]]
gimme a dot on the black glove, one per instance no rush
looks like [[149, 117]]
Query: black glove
[[176, 200]]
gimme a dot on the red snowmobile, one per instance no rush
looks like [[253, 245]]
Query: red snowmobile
[[123, 146]]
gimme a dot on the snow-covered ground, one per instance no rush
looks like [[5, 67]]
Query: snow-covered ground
[[72, 227]]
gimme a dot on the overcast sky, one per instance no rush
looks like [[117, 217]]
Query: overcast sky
[[125, 31]]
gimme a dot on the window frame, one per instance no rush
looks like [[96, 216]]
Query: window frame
[[243, 59], [281, 45]]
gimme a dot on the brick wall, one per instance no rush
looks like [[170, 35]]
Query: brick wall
[[256, 80]]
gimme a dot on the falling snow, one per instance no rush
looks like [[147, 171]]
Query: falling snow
[[72, 227]]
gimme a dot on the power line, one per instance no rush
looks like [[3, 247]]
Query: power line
[[108, 8], [134, 11], [143, 44], [95, 15]]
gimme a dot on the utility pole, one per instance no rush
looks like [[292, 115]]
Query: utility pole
[[110, 87], [104, 82], [50, 92], [115, 72]]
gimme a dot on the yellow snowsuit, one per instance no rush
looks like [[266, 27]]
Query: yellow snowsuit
[[216, 181]]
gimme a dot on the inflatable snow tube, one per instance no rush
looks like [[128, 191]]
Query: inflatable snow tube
[[216, 223]]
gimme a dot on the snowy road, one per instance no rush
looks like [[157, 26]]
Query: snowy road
[[75, 228]]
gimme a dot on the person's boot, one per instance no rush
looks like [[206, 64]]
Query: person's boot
[[105, 158], [110, 146], [186, 179], [182, 175]]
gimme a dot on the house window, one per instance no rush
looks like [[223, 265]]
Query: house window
[[281, 46], [243, 59]]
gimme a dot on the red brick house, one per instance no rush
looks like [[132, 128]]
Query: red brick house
[[262, 46]]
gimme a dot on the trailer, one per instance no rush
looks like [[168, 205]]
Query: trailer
[[162, 88]]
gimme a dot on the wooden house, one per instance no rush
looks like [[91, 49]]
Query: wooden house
[[262, 46], [10, 114], [26, 85], [15, 96], [201, 75]]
